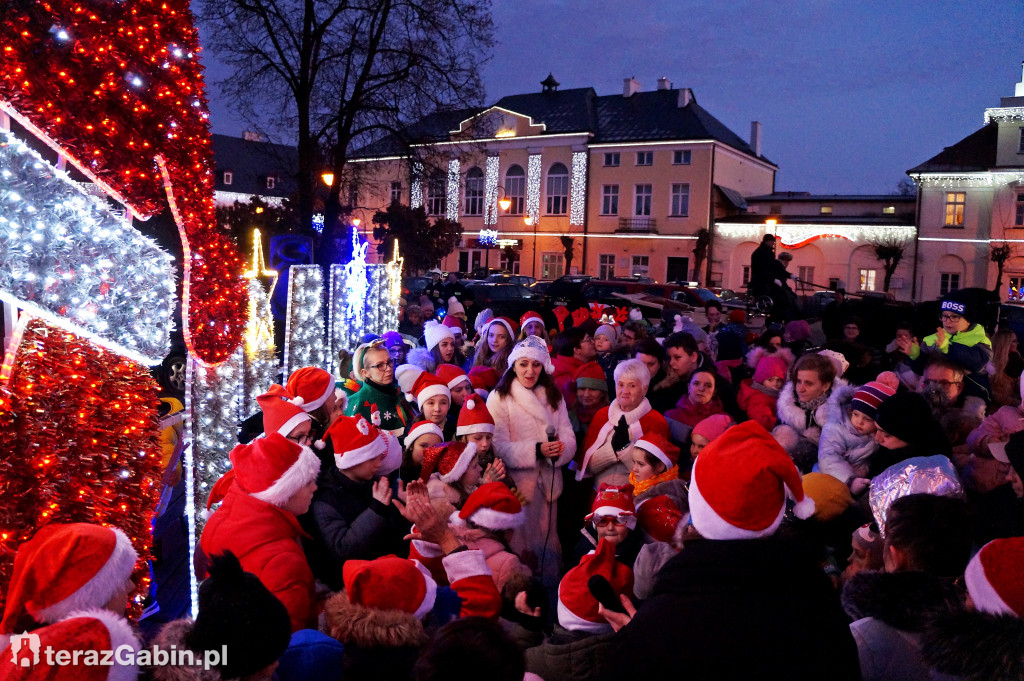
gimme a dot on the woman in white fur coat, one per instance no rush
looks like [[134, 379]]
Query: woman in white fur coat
[[534, 438], [803, 408]]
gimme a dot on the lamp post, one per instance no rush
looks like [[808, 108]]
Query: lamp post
[[530, 221]]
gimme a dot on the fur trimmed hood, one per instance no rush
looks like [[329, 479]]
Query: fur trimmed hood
[[755, 354], [903, 600], [371, 628], [975, 646], [793, 415], [839, 401]]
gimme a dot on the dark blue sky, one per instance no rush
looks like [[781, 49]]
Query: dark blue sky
[[851, 94]]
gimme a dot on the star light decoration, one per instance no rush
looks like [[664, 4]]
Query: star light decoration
[[116, 88], [67, 258], [304, 319]]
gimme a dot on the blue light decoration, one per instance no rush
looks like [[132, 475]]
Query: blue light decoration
[[356, 286], [488, 237], [318, 223]]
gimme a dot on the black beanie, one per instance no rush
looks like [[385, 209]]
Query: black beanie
[[237, 611], [907, 416], [961, 303]]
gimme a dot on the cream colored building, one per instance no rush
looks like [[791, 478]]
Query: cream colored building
[[631, 178]]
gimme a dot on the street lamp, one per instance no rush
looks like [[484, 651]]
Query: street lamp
[[531, 222], [328, 178]]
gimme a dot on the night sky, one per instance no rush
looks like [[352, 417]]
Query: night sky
[[851, 94]]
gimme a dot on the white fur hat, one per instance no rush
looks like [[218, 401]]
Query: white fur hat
[[536, 349]]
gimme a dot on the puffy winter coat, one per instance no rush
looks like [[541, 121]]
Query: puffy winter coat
[[758, 405], [686, 414], [843, 452]]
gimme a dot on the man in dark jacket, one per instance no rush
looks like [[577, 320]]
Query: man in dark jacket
[[739, 603], [763, 267]]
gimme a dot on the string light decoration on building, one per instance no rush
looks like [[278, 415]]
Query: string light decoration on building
[[395, 266], [377, 300], [80, 437], [67, 258], [795, 236], [453, 190], [304, 319], [125, 89], [578, 192], [491, 190], [1002, 114], [533, 175], [260, 362], [488, 237], [318, 223], [416, 186], [991, 178]]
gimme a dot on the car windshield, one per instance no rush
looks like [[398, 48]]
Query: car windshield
[[705, 294]]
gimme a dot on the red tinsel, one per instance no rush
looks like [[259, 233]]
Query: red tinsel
[[116, 84], [80, 442]]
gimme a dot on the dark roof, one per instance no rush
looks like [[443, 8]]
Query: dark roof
[[733, 197], [251, 162], [974, 153], [645, 116]]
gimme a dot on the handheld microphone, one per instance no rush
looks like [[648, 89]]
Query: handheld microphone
[[552, 436]]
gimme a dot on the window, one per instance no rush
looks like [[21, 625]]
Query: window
[[353, 195], [271, 181], [867, 280], [805, 274], [746, 275], [889, 210], [515, 189], [1018, 220], [552, 265], [641, 266], [1020, 145], [833, 283], [396, 192], [606, 266], [642, 206], [228, 177], [645, 158], [475, 192], [558, 190], [680, 200], [948, 281], [955, 209], [681, 157], [826, 210], [610, 199], [611, 159], [507, 264], [437, 195]]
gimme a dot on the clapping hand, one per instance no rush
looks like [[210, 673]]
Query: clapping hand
[[494, 472]]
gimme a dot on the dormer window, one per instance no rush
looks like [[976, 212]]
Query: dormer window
[[228, 177], [271, 182]]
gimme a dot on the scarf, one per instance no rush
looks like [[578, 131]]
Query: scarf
[[641, 486], [762, 388], [812, 406]]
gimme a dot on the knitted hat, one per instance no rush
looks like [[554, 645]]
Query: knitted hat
[[64, 568], [904, 415], [577, 607], [739, 485], [799, 330], [870, 396], [493, 506], [421, 428], [831, 496], [509, 325], [270, 468], [737, 317], [995, 577], [392, 338], [455, 307], [457, 326], [280, 415], [536, 349], [311, 654], [356, 440], [420, 385], [483, 378], [838, 359], [713, 427], [449, 459], [591, 375], [451, 375], [313, 385], [474, 417], [390, 583], [962, 303], [614, 501], [770, 366], [237, 611], [658, 517], [435, 332], [662, 450], [608, 331], [531, 316]]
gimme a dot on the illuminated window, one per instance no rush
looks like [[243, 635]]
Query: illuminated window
[[228, 177], [867, 280], [955, 209], [826, 210], [889, 210]]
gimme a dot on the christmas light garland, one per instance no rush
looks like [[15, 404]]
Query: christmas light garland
[[533, 175], [491, 190], [260, 361], [416, 186], [304, 319], [793, 236], [578, 197], [452, 190]]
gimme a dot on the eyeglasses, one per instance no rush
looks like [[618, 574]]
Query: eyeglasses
[[605, 521], [381, 366], [299, 439], [940, 384], [950, 317]]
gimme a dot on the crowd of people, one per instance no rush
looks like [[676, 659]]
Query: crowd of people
[[565, 496]]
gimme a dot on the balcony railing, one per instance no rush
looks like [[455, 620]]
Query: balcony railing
[[637, 225]]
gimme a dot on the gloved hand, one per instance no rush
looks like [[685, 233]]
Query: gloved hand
[[620, 436]]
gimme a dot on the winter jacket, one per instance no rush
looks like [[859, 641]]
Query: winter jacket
[[565, 370], [975, 646], [843, 452], [971, 349], [266, 539], [758, 404], [346, 522], [666, 390], [504, 564], [599, 459], [738, 609], [647, 567], [997, 427], [395, 414], [798, 430], [890, 611], [569, 655], [686, 415]]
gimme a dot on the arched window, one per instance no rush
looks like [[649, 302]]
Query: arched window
[[515, 189], [474, 192], [558, 190]]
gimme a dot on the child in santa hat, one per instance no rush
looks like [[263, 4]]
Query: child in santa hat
[[495, 346], [432, 396], [270, 484], [656, 470], [612, 518], [532, 324], [69, 588], [460, 388], [453, 470], [421, 436], [485, 522]]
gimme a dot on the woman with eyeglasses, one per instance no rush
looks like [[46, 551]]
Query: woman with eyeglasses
[[379, 392]]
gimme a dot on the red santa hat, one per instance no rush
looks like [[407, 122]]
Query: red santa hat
[[739, 485], [457, 326], [356, 440], [995, 577], [474, 417], [577, 607], [659, 516], [493, 506], [451, 375], [536, 349], [420, 385], [531, 316], [94, 631], [483, 378], [435, 332], [421, 428], [313, 385], [449, 459], [271, 469], [509, 325], [280, 415], [591, 375], [615, 502], [662, 450], [390, 583], [65, 568]]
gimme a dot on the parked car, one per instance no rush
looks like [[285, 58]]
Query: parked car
[[414, 286], [695, 296], [505, 278], [481, 273], [510, 300], [567, 290]]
